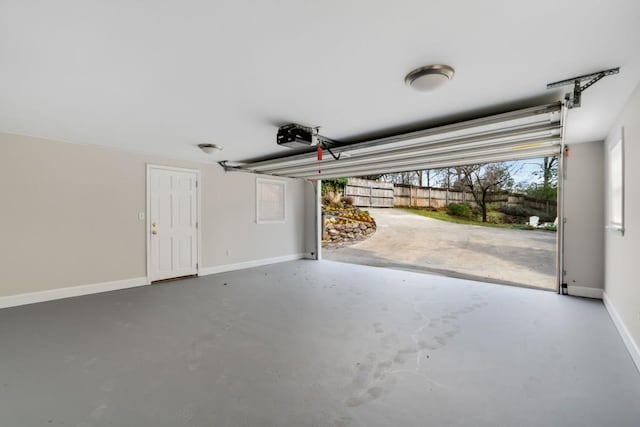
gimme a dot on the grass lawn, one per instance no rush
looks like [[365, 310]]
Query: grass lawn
[[444, 216]]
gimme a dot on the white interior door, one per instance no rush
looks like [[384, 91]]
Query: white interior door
[[173, 226]]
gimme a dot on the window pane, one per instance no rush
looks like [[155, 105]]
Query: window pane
[[270, 201], [615, 187]]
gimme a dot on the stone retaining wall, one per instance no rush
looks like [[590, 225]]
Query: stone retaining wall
[[336, 233]]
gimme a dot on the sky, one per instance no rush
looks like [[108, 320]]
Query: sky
[[525, 170]]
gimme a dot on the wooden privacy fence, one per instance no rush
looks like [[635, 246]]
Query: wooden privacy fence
[[368, 193], [409, 196], [530, 203]]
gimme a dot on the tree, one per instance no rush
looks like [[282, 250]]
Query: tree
[[548, 173], [406, 178], [417, 177], [484, 179], [438, 177]]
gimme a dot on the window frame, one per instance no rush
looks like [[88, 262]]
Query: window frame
[[260, 182], [615, 193]]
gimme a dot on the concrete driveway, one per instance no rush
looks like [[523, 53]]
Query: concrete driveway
[[408, 241]]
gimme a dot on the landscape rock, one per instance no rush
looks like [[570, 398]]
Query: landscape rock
[[342, 228]]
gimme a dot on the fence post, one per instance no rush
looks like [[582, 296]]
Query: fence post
[[410, 196], [393, 192]]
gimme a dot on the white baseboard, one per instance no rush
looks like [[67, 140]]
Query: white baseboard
[[75, 291], [583, 291], [632, 346], [72, 291], [249, 264]]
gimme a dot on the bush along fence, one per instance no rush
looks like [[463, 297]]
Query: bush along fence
[[366, 193]]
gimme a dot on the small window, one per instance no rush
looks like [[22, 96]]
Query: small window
[[616, 186], [270, 201]]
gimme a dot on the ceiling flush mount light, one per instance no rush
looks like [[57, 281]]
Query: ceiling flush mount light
[[210, 148], [430, 77]]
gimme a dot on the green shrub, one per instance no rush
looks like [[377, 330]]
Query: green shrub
[[335, 185], [495, 217], [515, 211], [459, 209]]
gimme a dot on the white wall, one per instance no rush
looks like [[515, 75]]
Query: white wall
[[584, 229], [69, 216], [622, 253]]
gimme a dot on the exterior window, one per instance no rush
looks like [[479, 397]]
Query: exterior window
[[270, 201], [616, 186]]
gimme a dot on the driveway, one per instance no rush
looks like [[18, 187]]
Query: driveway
[[408, 241]]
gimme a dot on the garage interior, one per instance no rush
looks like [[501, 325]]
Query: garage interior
[[303, 343], [114, 116]]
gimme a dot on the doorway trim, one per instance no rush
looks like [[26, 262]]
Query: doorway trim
[[198, 215]]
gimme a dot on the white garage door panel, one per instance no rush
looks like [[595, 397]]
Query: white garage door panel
[[477, 157], [521, 134], [502, 142]]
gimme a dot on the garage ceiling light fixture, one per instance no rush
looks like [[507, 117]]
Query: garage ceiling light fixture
[[210, 148], [430, 77]]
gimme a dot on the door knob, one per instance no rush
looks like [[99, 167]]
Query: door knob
[[154, 232]]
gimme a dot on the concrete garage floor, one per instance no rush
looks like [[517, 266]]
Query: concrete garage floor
[[310, 343], [409, 241]]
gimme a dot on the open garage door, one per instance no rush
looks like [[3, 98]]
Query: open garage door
[[444, 229], [521, 134]]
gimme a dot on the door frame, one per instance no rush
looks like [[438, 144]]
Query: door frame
[[198, 215]]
